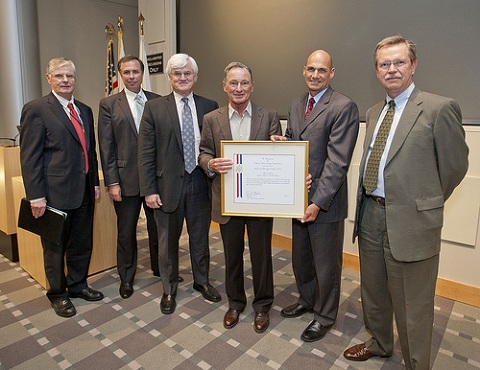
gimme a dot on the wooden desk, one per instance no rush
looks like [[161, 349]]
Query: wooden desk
[[104, 254], [9, 167]]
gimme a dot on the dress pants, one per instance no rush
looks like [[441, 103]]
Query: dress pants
[[389, 286], [317, 264], [194, 207], [152, 237], [127, 212], [75, 249], [259, 232]]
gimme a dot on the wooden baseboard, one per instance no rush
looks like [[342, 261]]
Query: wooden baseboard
[[445, 288]]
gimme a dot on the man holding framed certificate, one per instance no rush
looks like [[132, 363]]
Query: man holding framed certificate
[[240, 120], [329, 121]]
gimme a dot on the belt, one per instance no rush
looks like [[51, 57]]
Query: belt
[[379, 200]]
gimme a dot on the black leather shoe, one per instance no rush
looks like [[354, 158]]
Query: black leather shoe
[[208, 292], [167, 304], [314, 331], [64, 308], [294, 310], [125, 290], [87, 294], [231, 318], [261, 322]]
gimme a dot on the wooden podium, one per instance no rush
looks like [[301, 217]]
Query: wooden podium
[[104, 254], [9, 168]]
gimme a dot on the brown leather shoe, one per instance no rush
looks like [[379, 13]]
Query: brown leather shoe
[[262, 321], [231, 318], [358, 352]]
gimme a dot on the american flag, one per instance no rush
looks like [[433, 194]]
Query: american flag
[[111, 82]]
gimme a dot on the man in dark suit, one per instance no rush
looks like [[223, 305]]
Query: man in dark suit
[[240, 120], [399, 213], [118, 123], [329, 121], [172, 183], [59, 168]]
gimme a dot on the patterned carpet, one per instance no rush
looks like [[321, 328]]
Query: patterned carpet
[[133, 334]]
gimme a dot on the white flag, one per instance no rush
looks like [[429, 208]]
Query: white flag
[[143, 57]]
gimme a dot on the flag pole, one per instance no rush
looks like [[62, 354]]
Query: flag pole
[[120, 49], [142, 54]]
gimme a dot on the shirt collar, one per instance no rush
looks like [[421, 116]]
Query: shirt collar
[[132, 95], [64, 102], [248, 110], [402, 99]]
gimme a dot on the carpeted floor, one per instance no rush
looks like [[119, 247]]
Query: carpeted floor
[[133, 334]]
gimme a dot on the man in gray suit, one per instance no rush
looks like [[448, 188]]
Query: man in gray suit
[[399, 213], [329, 121], [118, 123], [240, 120], [172, 183]]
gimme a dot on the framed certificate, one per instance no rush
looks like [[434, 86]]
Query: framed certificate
[[267, 178]]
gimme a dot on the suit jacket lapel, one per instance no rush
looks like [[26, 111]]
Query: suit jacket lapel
[[409, 116], [173, 114], [224, 123], [125, 107], [58, 110], [374, 113], [256, 122], [317, 109]]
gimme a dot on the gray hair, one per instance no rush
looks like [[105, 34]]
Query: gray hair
[[237, 65], [55, 63], [179, 61]]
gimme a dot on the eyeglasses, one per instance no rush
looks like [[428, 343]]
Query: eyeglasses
[[178, 74], [234, 84], [60, 77], [397, 64]]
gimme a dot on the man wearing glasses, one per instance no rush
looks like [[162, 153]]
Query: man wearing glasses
[[60, 169], [414, 156], [171, 181]]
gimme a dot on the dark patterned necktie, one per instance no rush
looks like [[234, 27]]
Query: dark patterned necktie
[[371, 174], [77, 124], [188, 138], [311, 102]]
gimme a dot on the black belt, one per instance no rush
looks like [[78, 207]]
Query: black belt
[[379, 200]]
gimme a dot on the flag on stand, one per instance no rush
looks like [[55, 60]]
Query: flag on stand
[[121, 51], [143, 57], [111, 82]]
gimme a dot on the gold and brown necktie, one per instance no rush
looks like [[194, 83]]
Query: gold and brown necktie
[[370, 179]]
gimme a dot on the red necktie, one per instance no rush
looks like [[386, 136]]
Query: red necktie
[[78, 128], [311, 101]]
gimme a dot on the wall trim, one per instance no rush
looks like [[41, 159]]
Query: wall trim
[[445, 288]]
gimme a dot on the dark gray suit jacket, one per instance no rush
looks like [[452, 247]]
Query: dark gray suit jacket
[[331, 130], [118, 142], [52, 159], [160, 148]]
